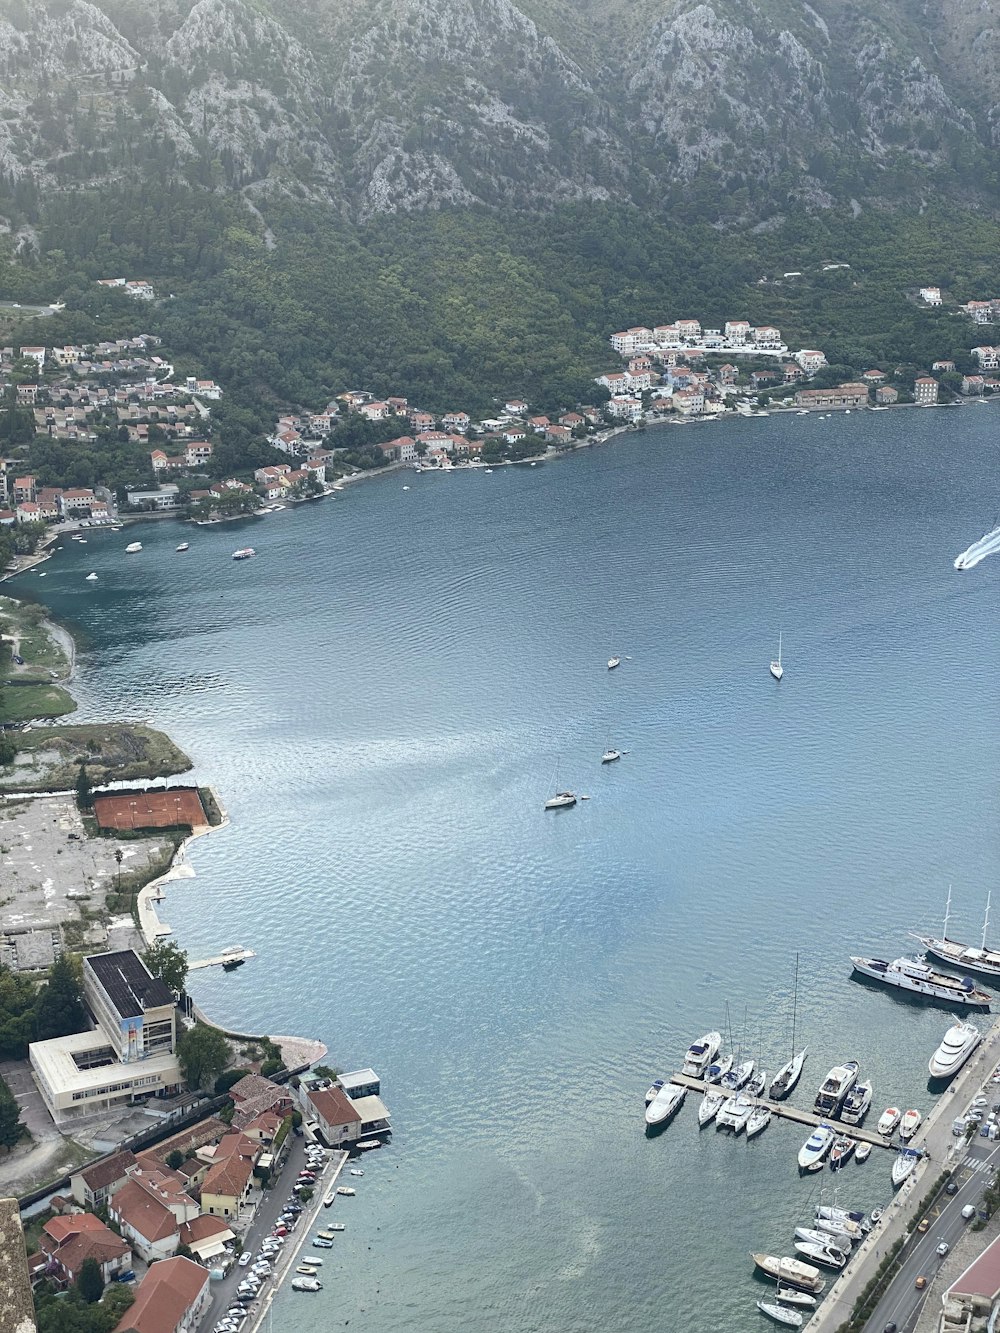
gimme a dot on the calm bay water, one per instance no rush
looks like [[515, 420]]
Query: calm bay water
[[384, 698]]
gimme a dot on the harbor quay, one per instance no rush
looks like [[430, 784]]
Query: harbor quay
[[942, 1151]]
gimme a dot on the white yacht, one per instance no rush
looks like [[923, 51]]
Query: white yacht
[[614, 662], [831, 1213], [909, 975], [91, 578], [820, 1254], [710, 1105], [828, 1242], [842, 1229], [857, 1102], [903, 1165], [244, 553], [717, 1071], [561, 801], [133, 548], [735, 1113], [909, 1125], [665, 1104], [957, 1045], [888, 1121], [184, 546], [835, 1088], [759, 1120], [787, 1076], [776, 670], [792, 1297], [756, 1086], [862, 1152], [655, 1087], [982, 960], [790, 1272], [701, 1053], [781, 1314], [815, 1148], [737, 1078], [609, 756]]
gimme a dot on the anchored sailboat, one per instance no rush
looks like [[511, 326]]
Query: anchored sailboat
[[788, 1075], [776, 670]]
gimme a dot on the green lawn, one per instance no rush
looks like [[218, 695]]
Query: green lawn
[[21, 703]]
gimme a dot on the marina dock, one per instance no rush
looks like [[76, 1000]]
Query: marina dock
[[785, 1111], [230, 956]]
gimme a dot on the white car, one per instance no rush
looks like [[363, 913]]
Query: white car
[[244, 1258]]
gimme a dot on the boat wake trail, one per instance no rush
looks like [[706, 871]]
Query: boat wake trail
[[988, 545]]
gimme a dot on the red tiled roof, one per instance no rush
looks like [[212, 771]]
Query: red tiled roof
[[137, 1208], [166, 1293], [60, 1229], [105, 1173], [335, 1106]]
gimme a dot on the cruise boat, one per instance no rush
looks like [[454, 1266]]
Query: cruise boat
[[909, 975], [759, 1120], [815, 1148], [820, 1254], [957, 1045], [792, 1297], [889, 1120], [781, 1313], [909, 1125], [244, 553], [561, 801], [717, 1071], [841, 1151], [856, 1103], [737, 1078], [776, 670], [133, 548], [965, 956], [903, 1165], [835, 1088], [790, 1272], [710, 1106], [665, 1104], [184, 546], [701, 1053]]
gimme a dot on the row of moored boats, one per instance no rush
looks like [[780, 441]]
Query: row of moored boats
[[825, 1244]]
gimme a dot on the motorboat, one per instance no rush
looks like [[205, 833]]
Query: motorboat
[[320, 1244], [244, 553], [614, 662], [841, 1151], [665, 1104], [133, 548], [759, 1120], [717, 1071], [831, 1213], [91, 578], [862, 1152], [816, 1146], [820, 1254], [781, 1314], [337, 1226], [737, 1078], [184, 546], [844, 1229], [561, 801], [306, 1284], [957, 1045], [710, 1106], [908, 974], [856, 1103], [888, 1121], [835, 1088], [735, 1113], [792, 1297], [757, 1084], [346, 1191], [909, 1125], [356, 1171], [654, 1088], [367, 1145], [609, 756], [875, 1216], [787, 1076], [824, 1239], [701, 1053], [906, 1160], [790, 1272], [328, 1201], [776, 670], [307, 1270]]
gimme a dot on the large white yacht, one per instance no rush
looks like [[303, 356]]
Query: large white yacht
[[857, 1102], [909, 975], [835, 1088], [665, 1104], [957, 1045], [982, 960], [701, 1053], [816, 1146]]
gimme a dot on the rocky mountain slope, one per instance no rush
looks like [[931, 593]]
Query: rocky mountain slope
[[401, 105]]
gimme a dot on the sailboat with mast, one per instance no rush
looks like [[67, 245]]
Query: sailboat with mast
[[967, 957], [788, 1075], [776, 670]]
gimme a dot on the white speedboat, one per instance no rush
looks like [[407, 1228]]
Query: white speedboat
[[737, 1078], [862, 1152], [909, 1125], [823, 1238], [133, 548], [759, 1120], [790, 1272], [957, 1045], [614, 662], [561, 801], [843, 1229], [888, 1121], [609, 756], [841, 1151], [717, 1071], [856, 1103], [701, 1053], [781, 1314], [710, 1106], [306, 1284], [835, 1088], [244, 553], [665, 1104], [907, 974], [792, 1297], [906, 1160], [655, 1087], [184, 546], [776, 670], [91, 578], [816, 1146], [820, 1254]]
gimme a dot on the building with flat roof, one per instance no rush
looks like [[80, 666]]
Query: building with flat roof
[[360, 1083]]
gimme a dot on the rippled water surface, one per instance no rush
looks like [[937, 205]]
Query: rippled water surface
[[384, 698]]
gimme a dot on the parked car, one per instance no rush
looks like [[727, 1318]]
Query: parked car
[[951, 1187], [923, 1225], [968, 1212], [244, 1258]]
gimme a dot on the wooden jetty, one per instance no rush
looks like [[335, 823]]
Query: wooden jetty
[[228, 956], [787, 1112]]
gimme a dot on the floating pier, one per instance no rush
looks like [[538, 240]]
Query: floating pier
[[788, 1112], [230, 957]]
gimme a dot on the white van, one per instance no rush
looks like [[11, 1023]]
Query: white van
[[969, 1212]]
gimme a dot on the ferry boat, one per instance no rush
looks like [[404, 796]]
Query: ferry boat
[[835, 1088], [982, 960], [856, 1103], [910, 975], [701, 1053], [665, 1104], [957, 1045], [133, 548], [244, 553], [790, 1272]]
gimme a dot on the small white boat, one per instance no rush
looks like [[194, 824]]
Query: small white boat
[[888, 1121], [909, 1125], [665, 1104], [244, 553], [816, 1146], [701, 1053], [609, 756], [133, 548], [781, 1314], [306, 1284], [356, 1171], [862, 1152], [759, 1120], [347, 1191], [367, 1145], [903, 1165], [957, 1045], [614, 662], [717, 1071], [792, 1297], [337, 1226], [91, 578], [820, 1254], [561, 801], [710, 1106], [184, 546], [875, 1217], [776, 670], [328, 1201]]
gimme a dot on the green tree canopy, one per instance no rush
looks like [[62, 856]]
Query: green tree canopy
[[168, 961], [84, 790], [11, 1128], [203, 1053], [59, 1008], [90, 1282]]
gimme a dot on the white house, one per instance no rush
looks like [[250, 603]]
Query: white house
[[930, 295]]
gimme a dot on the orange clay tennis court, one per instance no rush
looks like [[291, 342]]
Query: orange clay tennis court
[[151, 809]]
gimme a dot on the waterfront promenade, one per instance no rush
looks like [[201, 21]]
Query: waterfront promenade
[[943, 1152]]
